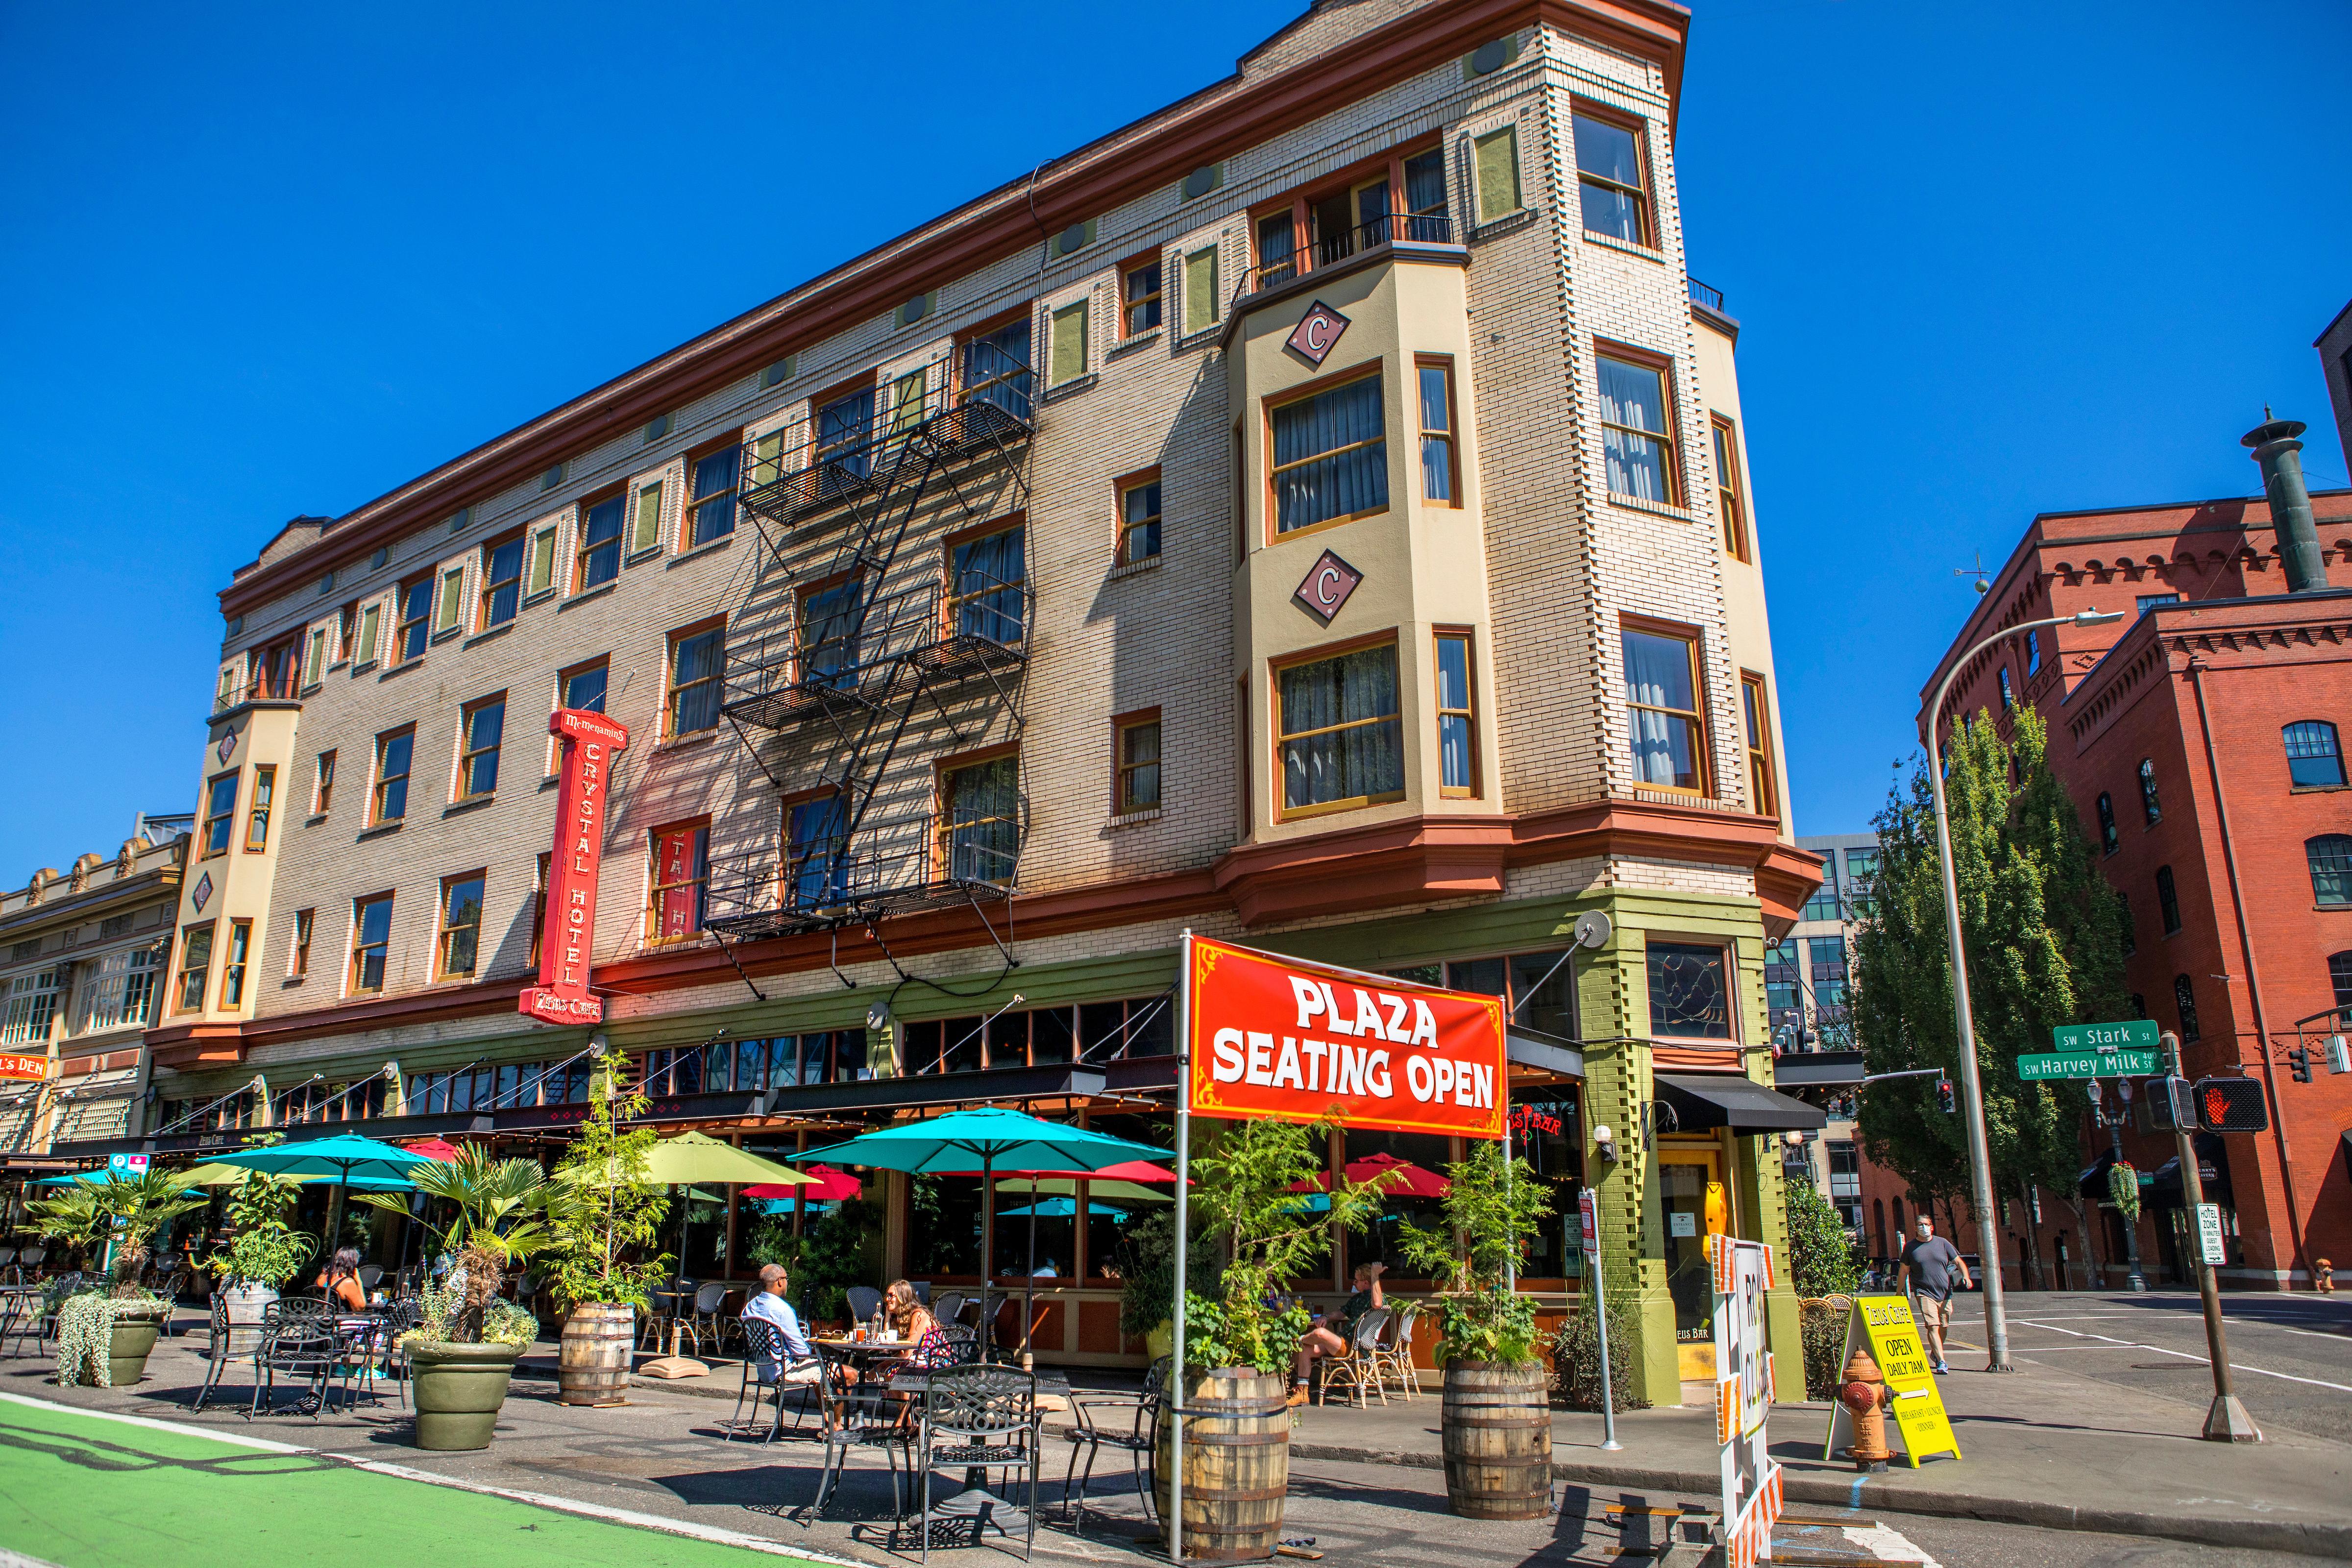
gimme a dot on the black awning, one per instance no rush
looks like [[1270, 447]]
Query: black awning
[[1532, 1053], [1704, 1100], [2164, 1192]]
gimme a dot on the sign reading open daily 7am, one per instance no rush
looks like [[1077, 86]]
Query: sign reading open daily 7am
[[1882, 1325]]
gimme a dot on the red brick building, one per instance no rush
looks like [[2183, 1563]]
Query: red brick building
[[2203, 736]]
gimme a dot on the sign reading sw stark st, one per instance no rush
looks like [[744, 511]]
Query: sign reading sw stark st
[[1296, 1042], [590, 741]]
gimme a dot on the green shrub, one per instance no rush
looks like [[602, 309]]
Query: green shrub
[[1576, 1357], [1821, 1261], [1821, 1325]]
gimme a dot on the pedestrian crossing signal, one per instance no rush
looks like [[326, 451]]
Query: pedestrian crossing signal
[[2172, 1104], [1944, 1096], [2232, 1105]]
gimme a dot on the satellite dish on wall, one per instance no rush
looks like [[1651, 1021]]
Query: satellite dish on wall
[[1590, 930]]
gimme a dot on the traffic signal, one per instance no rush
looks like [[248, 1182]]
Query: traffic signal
[[2172, 1104], [2300, 1059], [1944, 1096], [2232, 1105]]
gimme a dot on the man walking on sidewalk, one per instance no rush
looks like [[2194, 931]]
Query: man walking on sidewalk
[[1937, 1263]]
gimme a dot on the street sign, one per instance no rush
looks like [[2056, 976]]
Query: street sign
[[2209, 1249], [1742, 1273], [1588, 1208], [1882, 1325], [2139, 1035], [2092, 1063], [130, 1164]]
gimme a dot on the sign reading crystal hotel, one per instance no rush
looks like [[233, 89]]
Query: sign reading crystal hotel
[[590, 741], [1275, 1037]]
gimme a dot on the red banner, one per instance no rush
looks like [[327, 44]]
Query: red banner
[[1275, 1037], [25, 1067], [677, 864], [589, 741]]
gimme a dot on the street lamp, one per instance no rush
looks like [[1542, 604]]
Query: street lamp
[[1971, 1088]]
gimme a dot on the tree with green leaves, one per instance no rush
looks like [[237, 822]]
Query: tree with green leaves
[[2044, 936], [1494, 1210], [499, 1207], [1820, 1256], [604, 1208]]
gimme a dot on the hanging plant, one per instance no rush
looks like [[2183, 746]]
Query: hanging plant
[[86, 1333], [2123, 1188]]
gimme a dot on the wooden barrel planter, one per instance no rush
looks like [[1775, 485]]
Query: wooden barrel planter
[[1496, 1427], [593, 1366], [1236, 1465]]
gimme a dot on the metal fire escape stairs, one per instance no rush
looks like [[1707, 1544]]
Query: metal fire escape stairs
[[851, 652]]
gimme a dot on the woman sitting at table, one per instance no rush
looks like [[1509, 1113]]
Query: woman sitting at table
[[340, 1281], [1330, 1336], [913, 1323]]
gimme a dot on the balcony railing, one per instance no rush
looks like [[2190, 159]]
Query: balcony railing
[[855, 654], [903, 866], [1432, 228], [1700, 294]]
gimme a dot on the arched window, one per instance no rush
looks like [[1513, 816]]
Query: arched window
[[2149, 809], [2330, 856], [2313, 756], [2167, 899], [2184, 1002], [2108, 841]]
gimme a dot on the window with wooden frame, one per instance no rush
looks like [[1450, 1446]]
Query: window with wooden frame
[[537, 912], [680, 880], [1330, 455], [1441, 458], [1690, 989], [646, 534], [1139, 296], [271, 671], [322, 785], [1664, 719], [584, 686], [816, 872], [1755, 717], [1277, 236], [481, 728], [395, 750], [371, 941], [696, 660], [457, 947], [843, 420], [1427, 212], [195, 963], [411, 619], [314, 659], [992, 363], [711, 481], [1135, 739], [371, 616], [347, 630], [988, 584], [298, 955], [256, 818], [1339, 730], [1730, 496], [980, 818], [501, 593], [1457, 718], [1637, 430], [220, 815], [541, 574], [1611, 177], [233, 964], [1139, 518], [826, 631], [449, 614]]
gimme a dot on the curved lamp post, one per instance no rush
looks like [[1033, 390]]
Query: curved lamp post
[[1971, 1088]]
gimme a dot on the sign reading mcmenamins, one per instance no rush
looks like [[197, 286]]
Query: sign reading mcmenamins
[[590, 741]]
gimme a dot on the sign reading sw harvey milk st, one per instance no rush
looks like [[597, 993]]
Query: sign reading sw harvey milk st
[[1299, 1042], [589, 742]]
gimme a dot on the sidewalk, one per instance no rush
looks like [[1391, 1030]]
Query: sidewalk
[[2041, 1446]]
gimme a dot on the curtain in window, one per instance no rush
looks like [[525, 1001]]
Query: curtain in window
[[841, 427], [817, 873], [996, 369], [1658, 675], [2331, 868], [1607, 152], [989, 575], [1424, 197], [695, 687], [1358, 751], [1348, 482], [599, 543], [1634, 396], [714, 498], [984, 821], [829, 634]]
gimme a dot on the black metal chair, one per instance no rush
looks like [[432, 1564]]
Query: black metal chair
[[1131, 1424], [949, 1308], [399, 1318], [767, 1370], [858, 1418], [981, 1418], [39, 1321], [217, 1354], [863, 1300], [298, 1338]]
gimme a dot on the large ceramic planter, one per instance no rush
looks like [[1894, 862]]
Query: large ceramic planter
[[126, 1354], [1496, 1430], [1236, 1464], [459, 1391], [593, 1365]]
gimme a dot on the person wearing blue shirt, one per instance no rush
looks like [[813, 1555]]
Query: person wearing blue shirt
[[771, 1308]]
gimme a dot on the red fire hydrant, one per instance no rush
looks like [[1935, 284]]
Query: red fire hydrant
[[1862, 1391]]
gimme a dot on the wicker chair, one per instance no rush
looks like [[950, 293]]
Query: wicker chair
[[1358, 1369], [1393, 1357]]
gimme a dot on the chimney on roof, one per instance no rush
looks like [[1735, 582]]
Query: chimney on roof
[[2275, 447]]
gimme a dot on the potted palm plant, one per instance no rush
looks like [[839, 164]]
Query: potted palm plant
[[106, 1331], [603, 1209], [263, 1253], [461, 1356], [1496, 1422], [1241, 1331]]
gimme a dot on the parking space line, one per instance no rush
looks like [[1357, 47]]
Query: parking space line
[[2202, 1361]]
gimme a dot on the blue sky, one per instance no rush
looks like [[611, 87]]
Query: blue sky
[[1987, 260]]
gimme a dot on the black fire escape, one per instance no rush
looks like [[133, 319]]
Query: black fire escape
[[836, 659]]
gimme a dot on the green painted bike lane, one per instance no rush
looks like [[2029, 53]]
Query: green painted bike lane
[[82, 1491]]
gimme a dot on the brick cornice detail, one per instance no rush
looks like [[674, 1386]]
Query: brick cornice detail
[[1094, 179]]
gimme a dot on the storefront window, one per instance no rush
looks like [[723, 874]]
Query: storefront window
[[1547, 1140], [1429, 1155], [943, 1227], [1036, 1233]]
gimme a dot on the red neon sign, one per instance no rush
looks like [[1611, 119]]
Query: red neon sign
[[590, 741], [1272, 1038]]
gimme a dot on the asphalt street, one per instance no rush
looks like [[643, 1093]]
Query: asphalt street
[[2291, 1356]]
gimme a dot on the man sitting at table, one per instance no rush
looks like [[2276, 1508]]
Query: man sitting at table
[[770, 1307]]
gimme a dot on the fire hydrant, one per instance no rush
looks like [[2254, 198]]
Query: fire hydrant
[[2323, 1276], [1862, 1389]]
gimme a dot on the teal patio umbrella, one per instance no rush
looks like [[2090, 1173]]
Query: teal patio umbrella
[[1064, 1209], [346, 1159]]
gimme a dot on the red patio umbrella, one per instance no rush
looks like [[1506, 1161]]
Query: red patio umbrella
[[1397, 1178], [433, 1149], [830, 1186]]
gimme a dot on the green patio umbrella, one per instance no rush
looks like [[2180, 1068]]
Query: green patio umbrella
[[346, 1159], [1126, 1193], [692, 1157]]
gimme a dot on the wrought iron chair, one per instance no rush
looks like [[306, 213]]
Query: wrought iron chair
[[858, 1418], [30, 1258], [216, 1354], [766, 1369], [398, 1318], [1393, 1357], [39, 1323], [1358, 1370], [1128, 1422], [863, 1300], [965, 1340], [298, 1337], [11, 1273], [981, 1418]]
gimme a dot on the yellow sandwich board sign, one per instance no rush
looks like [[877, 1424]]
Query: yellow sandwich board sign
[[1882, 1325]]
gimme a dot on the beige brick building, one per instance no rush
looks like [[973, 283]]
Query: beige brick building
[[1314, 514]]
